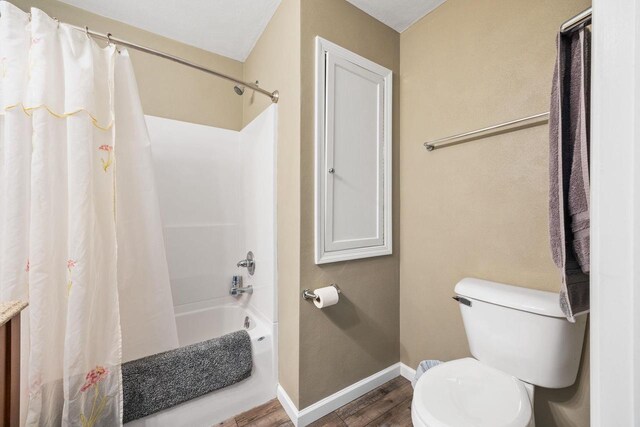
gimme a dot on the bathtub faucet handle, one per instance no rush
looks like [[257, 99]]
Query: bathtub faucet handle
[[237, 288], [248, 263], [236, 282]]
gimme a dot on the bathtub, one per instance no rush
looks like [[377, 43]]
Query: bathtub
[[201, 323]]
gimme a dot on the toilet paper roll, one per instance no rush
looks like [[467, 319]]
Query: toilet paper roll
[[326, 297]]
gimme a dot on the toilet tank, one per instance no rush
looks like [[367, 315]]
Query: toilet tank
[[521, 332]]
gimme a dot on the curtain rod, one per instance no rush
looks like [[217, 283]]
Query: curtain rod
[[578, 21], [275, 95]]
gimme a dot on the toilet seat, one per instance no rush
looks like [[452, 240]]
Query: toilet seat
[[468, 393]]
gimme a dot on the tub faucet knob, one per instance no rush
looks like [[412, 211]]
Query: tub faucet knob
[[236, 282], [237, 288], [248, 263]]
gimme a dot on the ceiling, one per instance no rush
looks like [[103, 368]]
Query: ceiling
[[226, 27], [397, 14]]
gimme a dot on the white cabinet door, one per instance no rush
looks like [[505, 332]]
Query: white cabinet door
[[353, 156]]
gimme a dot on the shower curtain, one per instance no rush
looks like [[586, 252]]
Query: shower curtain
[[80, 234]]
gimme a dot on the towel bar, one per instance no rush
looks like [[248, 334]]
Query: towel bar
[[524, 122]]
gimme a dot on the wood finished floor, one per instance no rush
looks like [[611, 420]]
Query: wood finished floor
[[387, 405]]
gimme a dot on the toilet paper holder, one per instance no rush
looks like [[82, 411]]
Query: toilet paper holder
[[308, 294]]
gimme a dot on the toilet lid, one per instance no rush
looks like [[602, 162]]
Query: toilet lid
[[465, 393]]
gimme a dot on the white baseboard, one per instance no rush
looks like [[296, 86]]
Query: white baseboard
[[331, 403], [287, 404], [407, 372]]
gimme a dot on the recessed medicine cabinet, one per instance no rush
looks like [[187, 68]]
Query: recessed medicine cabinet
[[352, 155]]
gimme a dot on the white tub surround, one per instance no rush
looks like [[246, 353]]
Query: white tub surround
[[199, 185], [257, 153], [216, 190]]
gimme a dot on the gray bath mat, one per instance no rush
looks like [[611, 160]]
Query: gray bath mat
[[166, 379]]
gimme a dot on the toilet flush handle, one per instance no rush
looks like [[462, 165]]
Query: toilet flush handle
[[462, 300]]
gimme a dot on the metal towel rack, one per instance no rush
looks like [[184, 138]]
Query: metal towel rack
[[578, 21], [522, 123]]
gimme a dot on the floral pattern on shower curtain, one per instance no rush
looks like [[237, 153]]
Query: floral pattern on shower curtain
[[69, 109]]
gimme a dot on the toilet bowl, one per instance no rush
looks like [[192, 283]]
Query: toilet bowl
[[519, 338]]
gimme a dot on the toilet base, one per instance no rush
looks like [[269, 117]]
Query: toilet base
[[531, 389]]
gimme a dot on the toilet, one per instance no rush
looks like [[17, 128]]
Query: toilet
[[519, 338]]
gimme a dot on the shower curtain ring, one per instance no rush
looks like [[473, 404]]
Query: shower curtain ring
[[86, 30], [111, 43]]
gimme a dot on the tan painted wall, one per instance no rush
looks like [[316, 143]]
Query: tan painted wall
[[477, 209], [275, 62], [166, 89], [359, 336]]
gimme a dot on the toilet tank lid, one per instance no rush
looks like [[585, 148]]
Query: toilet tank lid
[[516, 297]]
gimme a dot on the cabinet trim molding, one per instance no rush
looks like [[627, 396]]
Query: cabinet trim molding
[[326, 251]]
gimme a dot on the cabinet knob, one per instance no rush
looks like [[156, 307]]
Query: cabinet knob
[[331, 170]]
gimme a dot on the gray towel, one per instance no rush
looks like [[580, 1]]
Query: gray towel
[[166, 379], [569, 169]]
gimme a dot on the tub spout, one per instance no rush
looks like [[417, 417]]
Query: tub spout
[[239, 291]]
